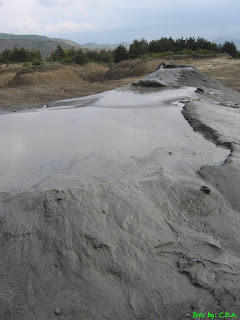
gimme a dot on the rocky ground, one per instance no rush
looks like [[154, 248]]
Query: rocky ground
[[154, 249]]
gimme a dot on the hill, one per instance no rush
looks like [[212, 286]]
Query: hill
[[45, 44], [98, 47]]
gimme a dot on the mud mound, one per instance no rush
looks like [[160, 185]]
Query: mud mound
[[117, 251], [169, 74]]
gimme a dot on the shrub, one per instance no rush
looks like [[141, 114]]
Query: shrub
[[67, 60], [37, 63]]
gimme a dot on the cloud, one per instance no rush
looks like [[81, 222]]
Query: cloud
[[52, 3], [108, 19], [28, 26], [69, 26]]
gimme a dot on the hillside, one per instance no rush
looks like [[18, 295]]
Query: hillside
[[45, 44], [96, 46], [22, 87]]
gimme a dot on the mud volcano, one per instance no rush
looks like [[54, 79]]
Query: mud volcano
[[113, 207]]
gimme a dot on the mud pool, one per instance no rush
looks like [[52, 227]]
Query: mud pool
[[119, 135]]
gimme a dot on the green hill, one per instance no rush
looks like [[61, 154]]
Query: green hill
[[98, 47], [45, 44]]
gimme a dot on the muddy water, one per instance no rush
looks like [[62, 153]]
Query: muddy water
[[119, 135]]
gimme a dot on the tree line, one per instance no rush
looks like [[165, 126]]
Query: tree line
[[144, 49], [168, 46], [137, 49], [20, 55], [80, 57]]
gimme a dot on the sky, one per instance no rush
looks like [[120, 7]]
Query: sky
[[114, 21]]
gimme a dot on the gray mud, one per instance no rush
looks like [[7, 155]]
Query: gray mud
[[121, 135], [148, 243]]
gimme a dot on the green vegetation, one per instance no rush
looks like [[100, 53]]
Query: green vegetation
[[168, 46], [20, 55], [34, 42], [229, 47], [138, 49], [80, 57], [37, 63], [120, 54]]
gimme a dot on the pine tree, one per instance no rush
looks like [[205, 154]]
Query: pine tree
[[120, 54]]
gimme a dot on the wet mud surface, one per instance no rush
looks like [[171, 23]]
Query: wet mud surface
[[120, 135], [153, 233]]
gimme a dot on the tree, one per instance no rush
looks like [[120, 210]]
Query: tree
[[138, 47], [230, 48], [92, 55], [23, 55], [15, 55], [34, 55], [162, 45], [190, 44], [80, 57], [120, 54], [59, 54], [6, 55], [71, 54], [105, 56]]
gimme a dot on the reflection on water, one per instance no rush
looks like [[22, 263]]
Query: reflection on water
[[119, 135]]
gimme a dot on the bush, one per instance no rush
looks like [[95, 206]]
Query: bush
[[67, 60], [230, 48], [37, 63], [156, 54], [186, 51], [26, 64]]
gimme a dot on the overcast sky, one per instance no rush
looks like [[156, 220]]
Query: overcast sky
[[113, 21]]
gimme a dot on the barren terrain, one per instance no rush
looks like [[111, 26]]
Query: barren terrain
[[21, 87], [118, 209]]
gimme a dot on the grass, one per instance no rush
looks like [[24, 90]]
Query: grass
[[171, 53]]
